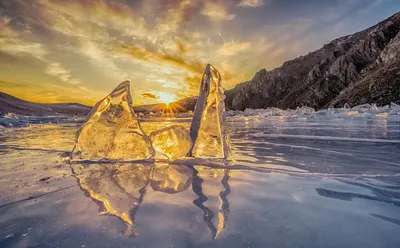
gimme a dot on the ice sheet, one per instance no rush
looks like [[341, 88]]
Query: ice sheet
[[299, 180]]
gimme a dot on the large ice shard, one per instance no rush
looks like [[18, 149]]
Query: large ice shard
[[207, 131], [112, 130], [172, 142]]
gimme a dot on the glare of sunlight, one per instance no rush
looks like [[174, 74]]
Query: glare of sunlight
[[166, 97]]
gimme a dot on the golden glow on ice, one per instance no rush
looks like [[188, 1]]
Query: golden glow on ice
[[120, 189], [172, 141]]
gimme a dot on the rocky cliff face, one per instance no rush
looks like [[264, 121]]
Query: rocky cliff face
[[359, 68]]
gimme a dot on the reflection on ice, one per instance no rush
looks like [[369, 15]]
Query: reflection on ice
[[120, 189], [223, 210], [171, 179]]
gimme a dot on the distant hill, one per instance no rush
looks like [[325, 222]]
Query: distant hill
[[11, 104], [360, 68]]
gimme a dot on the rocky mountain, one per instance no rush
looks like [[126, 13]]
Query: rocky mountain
[[360, 68], [11, 104]]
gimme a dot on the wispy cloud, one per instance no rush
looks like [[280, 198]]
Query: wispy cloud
[[232, 48], [13, 43], [56, 69], [19, 47], [251, 3], [159, 57], [150, 95], [100, 58], [216, 12]]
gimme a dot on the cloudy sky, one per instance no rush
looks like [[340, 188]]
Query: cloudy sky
[[78, 51]]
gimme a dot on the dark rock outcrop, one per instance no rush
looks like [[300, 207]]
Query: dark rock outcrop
[[359, 68]]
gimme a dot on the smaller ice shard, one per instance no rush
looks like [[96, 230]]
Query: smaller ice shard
[[209, 138], [112, 130], [172, 142]]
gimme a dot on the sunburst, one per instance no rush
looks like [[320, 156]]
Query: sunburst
[[166, 98]]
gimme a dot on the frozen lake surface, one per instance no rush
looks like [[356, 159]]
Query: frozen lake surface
[[298, 180]]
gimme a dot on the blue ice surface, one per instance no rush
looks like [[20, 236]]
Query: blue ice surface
[[295, 179]]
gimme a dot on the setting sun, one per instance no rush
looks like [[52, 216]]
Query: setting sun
[[200, 123], [167, 97]]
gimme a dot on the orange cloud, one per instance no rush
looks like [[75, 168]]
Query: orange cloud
[[93, 45], [150, 95], [161, 58], [56, 69], [232, 48], [48, 93], [216, 12]]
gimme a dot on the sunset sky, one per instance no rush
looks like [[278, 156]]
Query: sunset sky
[[78, 51]]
